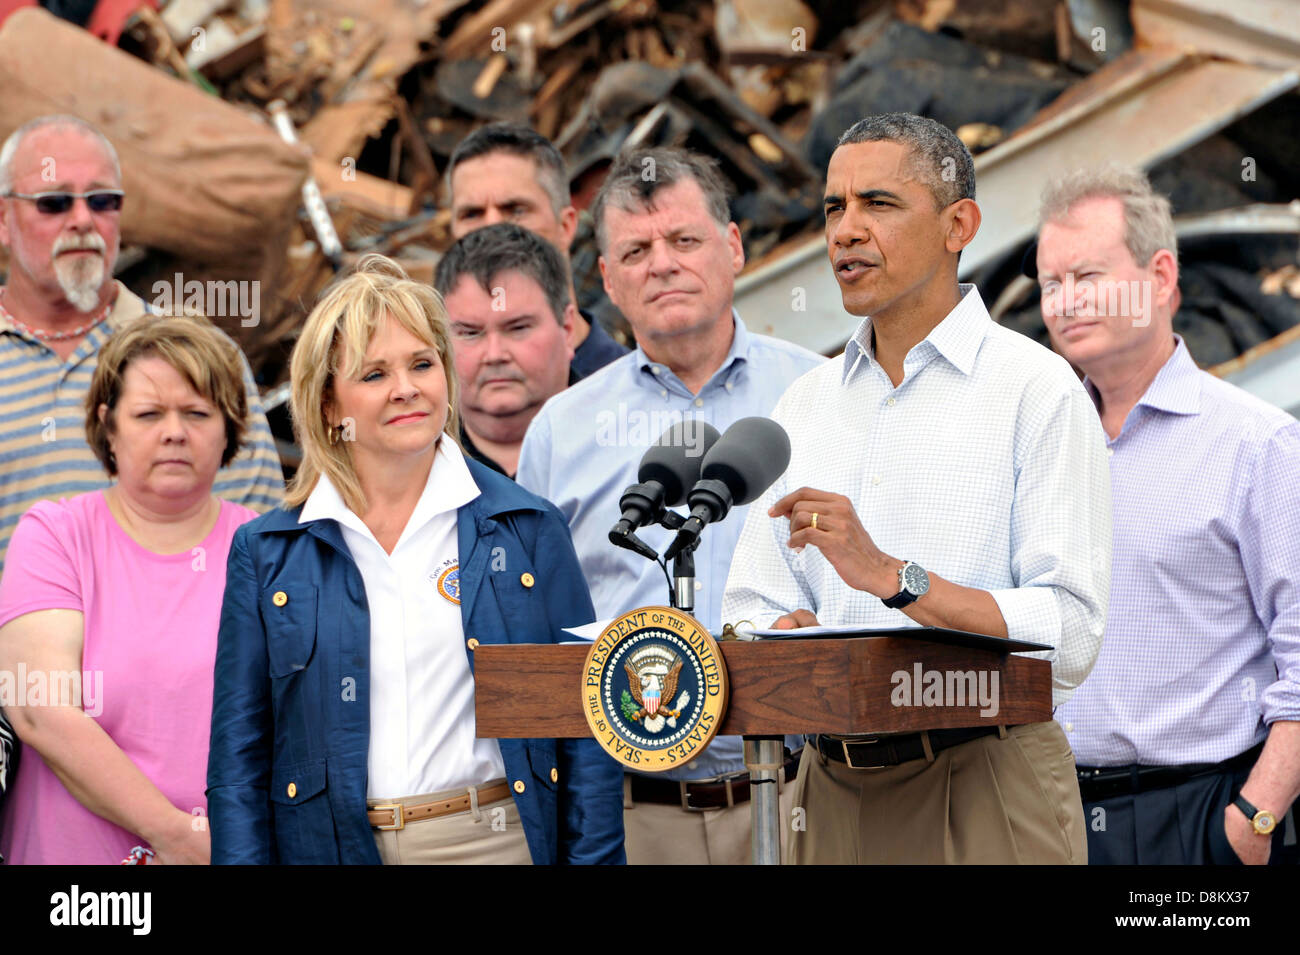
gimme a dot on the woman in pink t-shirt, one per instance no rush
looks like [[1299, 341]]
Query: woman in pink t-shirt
[[109, 606]]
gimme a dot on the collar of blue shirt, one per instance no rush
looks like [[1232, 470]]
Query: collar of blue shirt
[[662, 376], [1176, 387], [957, 338]]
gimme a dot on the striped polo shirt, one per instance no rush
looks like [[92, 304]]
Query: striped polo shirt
[[43, 449]]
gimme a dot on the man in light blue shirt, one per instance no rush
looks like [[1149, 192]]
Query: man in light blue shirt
[[669, 257]]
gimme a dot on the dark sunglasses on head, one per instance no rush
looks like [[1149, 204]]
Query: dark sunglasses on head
[[57, 203]]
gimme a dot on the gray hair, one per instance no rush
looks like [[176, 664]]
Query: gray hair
[[54, 121], [486, 253], [516, 139], [939, 158], [638, 174], [1148, 216]]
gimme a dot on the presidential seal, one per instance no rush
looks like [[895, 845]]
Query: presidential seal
[[654, 689]]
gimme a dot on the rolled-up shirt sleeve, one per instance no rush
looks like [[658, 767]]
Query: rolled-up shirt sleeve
[[986, 464], [1061, 538], [1270, 554]]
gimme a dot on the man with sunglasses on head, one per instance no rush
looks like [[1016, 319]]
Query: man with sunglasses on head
[[60, 222]]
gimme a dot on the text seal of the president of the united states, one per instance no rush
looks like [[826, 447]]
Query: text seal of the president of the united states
[[654, 688]]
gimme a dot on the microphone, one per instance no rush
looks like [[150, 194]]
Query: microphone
[[668, 468], [742, 465]]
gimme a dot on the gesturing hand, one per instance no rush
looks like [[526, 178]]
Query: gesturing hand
[[829, 523]]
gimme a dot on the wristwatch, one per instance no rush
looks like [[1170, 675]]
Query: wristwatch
[[1261, 820], [913, 582]]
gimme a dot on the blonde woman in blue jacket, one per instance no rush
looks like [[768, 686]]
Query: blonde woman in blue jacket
[[343, 714]]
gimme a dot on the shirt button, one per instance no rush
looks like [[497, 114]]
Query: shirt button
[[555, 776], [1069, 727], [526, 579], [890, 402], [519, 785], [729, 386], [292, 790], [654, 369], [1110, 452], [875, 479], [472, 643], [280, 598], [663, 393], [699, 585], [699, 402]]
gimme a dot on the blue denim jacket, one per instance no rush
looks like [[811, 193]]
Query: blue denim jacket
[[291, 701]]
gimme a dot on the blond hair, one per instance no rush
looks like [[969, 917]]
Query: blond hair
[[1148, 216], [204, 357], [346, 317]]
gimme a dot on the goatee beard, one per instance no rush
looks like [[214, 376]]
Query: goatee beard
[[81, 279]]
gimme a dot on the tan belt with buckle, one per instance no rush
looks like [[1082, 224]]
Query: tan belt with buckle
[[395, 816]]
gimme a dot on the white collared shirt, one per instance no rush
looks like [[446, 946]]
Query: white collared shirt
[[986, 465], [421, 688]]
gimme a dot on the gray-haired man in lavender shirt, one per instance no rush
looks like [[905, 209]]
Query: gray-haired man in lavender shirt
[[1187, 731]]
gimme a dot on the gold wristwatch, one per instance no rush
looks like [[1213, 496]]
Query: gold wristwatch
[[1261, 820]]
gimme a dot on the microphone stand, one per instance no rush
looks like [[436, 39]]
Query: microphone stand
[[683, 592], [763, 754]]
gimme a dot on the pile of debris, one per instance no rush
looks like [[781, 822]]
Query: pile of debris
[[224, 110], [380, 98]]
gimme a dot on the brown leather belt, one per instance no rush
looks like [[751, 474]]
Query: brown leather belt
[[395, 816], [697, 797]]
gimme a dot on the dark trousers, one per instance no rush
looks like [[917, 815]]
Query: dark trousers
[[1177, 825]]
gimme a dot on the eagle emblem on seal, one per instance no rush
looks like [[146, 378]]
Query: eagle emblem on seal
[[652, 675]]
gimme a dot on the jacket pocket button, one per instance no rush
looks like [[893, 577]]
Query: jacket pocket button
[[555, 776], [279, 598], [472, 643], [519, 785], [527, 579], [292, 790]]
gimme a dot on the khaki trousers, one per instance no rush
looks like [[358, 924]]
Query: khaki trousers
[[989, 801], [490, 834], [669, 835]]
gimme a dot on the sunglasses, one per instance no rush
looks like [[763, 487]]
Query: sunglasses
[[57, 203]]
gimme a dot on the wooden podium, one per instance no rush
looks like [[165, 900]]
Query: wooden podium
[[843, 686]]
